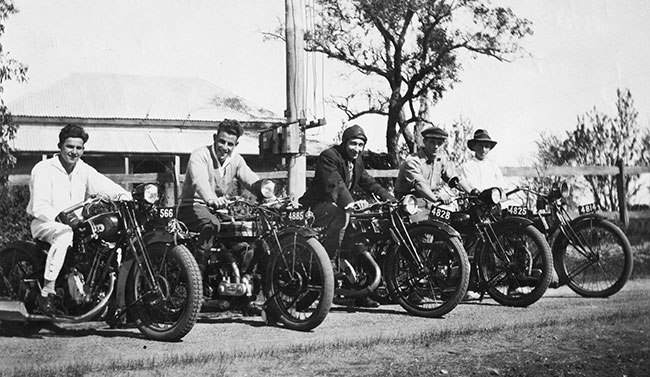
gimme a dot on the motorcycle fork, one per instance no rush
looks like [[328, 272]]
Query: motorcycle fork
[[134, 236], [401, 236], [488, 237]]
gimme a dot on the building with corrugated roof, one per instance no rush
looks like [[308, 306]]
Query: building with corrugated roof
[[136, 124]]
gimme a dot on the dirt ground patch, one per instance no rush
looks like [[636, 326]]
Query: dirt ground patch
[[561, 335]]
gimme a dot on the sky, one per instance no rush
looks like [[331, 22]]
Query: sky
[[580, 53]]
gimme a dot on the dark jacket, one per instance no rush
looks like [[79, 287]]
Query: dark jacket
[[332, 179]]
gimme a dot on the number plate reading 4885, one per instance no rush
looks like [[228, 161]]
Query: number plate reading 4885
[[296, 216], [440, 214]]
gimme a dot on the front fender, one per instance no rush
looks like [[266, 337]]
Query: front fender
[[302, 231], [156, 236], [446, 228], [120, 289], [512, 220]]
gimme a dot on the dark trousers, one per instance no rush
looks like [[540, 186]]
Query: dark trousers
[[199, 219], [334, 220]]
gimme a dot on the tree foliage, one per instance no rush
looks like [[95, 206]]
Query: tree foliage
[[413, 46], [601, 140], [10, 69]]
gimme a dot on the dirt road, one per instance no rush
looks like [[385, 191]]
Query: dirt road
[[217, 334]]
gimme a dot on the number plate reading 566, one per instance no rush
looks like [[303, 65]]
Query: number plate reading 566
[[440, 214], [167, 212]]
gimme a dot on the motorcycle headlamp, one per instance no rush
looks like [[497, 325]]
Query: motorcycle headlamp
[[267, 188], [560, 190], [491, 196], [148, 192], [410, 204]]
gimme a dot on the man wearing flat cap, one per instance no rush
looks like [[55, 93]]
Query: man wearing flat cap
[[480, 172], [340, 171], [425, 174]]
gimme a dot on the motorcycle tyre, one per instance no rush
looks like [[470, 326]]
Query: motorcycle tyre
[[192, 277], [274, 311], [405, 302], [542, 283], [576, 286]]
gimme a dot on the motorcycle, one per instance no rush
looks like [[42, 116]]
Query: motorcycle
[[510, 258], [591, 254], [115, 270], [423, 264], [266, 248]]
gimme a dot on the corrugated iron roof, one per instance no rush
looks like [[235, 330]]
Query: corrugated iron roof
[[43, 139], [103, 95]]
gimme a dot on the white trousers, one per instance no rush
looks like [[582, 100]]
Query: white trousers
[[59, 236]]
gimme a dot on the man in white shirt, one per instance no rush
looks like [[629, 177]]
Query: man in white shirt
[[56, 184], [480, 172]]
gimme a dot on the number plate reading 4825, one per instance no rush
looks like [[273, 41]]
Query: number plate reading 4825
[[517, 211], [440, 214]]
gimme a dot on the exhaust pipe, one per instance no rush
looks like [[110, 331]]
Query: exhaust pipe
[[15, 311], [370, 287]]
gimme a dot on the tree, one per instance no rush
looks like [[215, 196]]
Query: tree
[[414, 47], [602, 141], [10, 69]]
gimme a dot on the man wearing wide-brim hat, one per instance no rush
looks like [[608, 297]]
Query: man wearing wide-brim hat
[[480, 172], [426, 173]]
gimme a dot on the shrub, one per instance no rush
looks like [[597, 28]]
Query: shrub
[[14, 221]]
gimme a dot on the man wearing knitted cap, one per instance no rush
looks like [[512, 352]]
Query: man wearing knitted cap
[[339, 171], [426, 173]]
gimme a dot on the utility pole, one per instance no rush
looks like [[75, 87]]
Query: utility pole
[[296, 162]]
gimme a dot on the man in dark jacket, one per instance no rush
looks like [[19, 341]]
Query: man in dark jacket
[[339, 171]]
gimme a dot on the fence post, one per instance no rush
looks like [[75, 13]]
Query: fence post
[[622, 200]]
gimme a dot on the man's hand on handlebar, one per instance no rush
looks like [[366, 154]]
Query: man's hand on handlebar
[[445, 197], [218, 203], [359, 205]]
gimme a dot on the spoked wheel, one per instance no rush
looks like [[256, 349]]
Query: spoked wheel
[[597, 261], [437, 287], [298, 283], [170, 314], [523, 277], [19, 273]]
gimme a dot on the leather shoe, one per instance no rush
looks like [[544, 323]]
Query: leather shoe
[[46, 305], [365, 302]]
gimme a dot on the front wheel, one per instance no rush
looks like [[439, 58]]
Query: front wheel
[[170, 313], [597, 261], [298, 283], [435, 287], [520, 274]]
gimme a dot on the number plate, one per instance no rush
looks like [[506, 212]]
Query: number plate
[[517, 211], [587, 208], [295, 216], [167, 213], [440, 214]]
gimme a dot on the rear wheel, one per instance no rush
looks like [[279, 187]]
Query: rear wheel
[[597, 262], [20, 270], [298, 283], [437, 286], [170, 314], [522, 276]]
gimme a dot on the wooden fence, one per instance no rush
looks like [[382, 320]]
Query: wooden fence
[[619, 171]]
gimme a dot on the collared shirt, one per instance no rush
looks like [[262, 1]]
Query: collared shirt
[[207, 178], [482, 174], [419, 169], [52, 189]]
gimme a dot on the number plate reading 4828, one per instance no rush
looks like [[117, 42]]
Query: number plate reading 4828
[[440, 214]]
